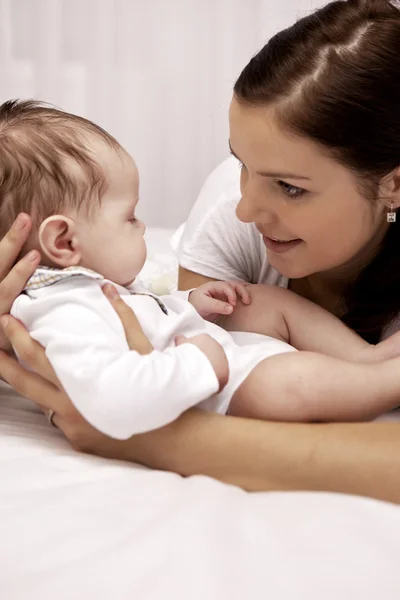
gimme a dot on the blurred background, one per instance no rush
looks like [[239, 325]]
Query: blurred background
[[157, 74]]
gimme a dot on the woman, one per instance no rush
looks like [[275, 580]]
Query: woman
[[314, 121]]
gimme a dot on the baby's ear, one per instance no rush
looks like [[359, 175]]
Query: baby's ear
[[57, 239]]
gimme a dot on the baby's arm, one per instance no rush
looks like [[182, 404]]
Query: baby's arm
[[280, 313], [119, 391]]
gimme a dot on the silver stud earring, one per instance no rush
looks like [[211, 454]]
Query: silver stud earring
[[391, 215]]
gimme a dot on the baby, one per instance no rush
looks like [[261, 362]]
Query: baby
[[81, 189]]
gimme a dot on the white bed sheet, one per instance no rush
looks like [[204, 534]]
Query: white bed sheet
[[85, 528]]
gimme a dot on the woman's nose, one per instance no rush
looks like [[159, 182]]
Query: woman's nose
[[254, 209]]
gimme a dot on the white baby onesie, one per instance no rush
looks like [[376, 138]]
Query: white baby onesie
[[117, 390]]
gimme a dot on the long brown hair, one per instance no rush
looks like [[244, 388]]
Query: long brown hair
[[334, 77]]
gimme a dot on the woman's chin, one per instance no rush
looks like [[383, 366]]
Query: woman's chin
[[290, 270]]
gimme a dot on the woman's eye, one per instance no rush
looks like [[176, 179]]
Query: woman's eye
[[240, 165], [291, 190]]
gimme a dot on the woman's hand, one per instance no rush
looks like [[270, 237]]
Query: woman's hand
[[43, 387], [132, 328], [13, 279]]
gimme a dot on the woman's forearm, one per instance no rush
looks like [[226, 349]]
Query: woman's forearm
[[188, 279], [361, 458]]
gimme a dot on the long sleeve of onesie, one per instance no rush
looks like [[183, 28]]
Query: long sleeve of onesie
[[119, 391]]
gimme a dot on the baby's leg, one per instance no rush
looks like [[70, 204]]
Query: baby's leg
[[280, 313], [305, 386]]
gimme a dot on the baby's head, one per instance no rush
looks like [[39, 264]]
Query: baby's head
[[79, 186]]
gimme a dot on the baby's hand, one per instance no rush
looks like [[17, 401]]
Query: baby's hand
[[214, 352], [218, 298]]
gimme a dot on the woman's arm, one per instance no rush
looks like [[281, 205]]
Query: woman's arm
[[188, 280], [361, 459]]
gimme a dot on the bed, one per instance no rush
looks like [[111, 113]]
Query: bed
[[81, 527]]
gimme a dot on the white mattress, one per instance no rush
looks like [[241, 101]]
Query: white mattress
[[85, 528]]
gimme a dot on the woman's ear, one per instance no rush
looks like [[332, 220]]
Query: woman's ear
[[58, 241], [396, 186], [392, 189]]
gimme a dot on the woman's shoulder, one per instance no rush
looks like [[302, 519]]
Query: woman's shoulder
[[220, 189], [214, 242]]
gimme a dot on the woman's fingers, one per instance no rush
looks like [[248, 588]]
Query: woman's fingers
[[12, 243], [30, 351], [13, 283], [13, 279], [47, 397], [29, 384], [133, 331]]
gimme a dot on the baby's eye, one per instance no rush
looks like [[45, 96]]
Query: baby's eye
[[290, 190]]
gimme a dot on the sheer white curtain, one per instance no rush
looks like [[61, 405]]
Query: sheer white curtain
[[157, 74]]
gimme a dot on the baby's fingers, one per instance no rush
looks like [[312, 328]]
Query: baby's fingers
[[220, 307], [224, 289], [243, 292]]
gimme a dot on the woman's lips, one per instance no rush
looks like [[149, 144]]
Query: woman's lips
[[280, 247]]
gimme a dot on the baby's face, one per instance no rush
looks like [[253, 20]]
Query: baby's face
[[111, 241]]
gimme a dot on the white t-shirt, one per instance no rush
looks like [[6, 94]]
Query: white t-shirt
[[216, 244]]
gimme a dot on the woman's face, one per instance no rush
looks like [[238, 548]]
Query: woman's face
[[306, 206]]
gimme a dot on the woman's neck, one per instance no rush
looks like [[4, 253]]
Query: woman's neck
[[328, 288], [321, 292]]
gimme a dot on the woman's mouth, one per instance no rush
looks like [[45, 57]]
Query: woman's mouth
[[280, 246]]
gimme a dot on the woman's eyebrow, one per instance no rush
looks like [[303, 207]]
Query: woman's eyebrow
[[274, 174]]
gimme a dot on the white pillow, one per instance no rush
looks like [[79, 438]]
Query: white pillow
[[160, 273]]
